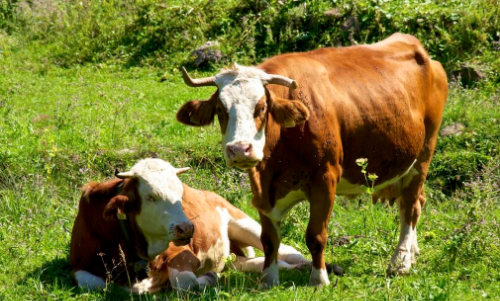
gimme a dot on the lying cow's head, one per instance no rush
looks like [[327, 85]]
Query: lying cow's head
[[243, 105], [151, 200]]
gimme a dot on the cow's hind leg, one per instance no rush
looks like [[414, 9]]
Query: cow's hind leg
[[248, 231], [244, 264], [85, 279], [410, 205]]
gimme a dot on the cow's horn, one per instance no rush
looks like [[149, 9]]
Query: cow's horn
[[123, 175], [275, 79], [200, 82], [179, 171]]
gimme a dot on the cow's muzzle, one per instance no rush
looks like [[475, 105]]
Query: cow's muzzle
[[241, 155], [183, 233]]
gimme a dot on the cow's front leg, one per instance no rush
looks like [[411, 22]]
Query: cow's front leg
[[321, 203], [270, 238]]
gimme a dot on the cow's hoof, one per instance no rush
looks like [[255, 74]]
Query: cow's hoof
[[400, 270], [319, 277], [269, 277], [335, 269], [268, 282]]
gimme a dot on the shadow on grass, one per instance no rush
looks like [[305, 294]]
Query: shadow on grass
[[53, 278]]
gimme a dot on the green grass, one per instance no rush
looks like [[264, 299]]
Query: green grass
[[60, 128], [64, 123]]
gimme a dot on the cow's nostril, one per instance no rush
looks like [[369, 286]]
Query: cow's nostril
[[230, 151], [248, 150], [239, 151], [179, 230], [184, 230]]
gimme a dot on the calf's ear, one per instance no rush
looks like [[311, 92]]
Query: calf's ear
[[288, 113], [197, 113], [118, 207]]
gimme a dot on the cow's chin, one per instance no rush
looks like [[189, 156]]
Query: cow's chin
[[244, 165], [181, 242]]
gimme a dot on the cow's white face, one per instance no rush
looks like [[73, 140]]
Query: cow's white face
[[152, 198], [243, 106], [244, 136], [161, 218]]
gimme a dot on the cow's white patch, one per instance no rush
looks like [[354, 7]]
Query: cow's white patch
[[244, 264], [85, 279], [291, 255], [344, 187], [213, 258], [250, 252], [319, 277], [240, 89], [284, 205], [415, 250], [247, 231], [270, 276], [142, 287], [161, 203]]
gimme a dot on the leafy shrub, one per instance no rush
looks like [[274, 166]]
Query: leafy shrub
[[8, 14], [154, 32]]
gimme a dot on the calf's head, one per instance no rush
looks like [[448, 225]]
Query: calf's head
[[243, 105], [151, 202]]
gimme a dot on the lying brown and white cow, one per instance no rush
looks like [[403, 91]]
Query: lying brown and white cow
[[157, 210], [299, 121]]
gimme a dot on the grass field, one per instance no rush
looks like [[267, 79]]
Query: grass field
[[60, 128], [81, 96]]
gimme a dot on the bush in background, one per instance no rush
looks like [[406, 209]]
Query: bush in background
[[132, 32]]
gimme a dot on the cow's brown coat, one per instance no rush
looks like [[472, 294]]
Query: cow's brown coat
[[382, 102]]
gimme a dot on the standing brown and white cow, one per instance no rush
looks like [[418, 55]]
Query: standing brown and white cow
[[157, 211], [299, 121]]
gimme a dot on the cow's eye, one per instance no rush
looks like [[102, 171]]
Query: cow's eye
[[263, 109], [151, 199], [219, 110]]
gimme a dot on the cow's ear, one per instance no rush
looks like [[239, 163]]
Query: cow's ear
[[288, 113], [197, 113], [118, 207]]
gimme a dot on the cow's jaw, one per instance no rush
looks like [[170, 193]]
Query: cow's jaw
[[242, 142], [157, 222]]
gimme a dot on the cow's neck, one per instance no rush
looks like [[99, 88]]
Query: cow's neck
[[261, 176]]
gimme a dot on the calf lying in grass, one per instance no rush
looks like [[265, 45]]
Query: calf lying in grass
[[125, 221]]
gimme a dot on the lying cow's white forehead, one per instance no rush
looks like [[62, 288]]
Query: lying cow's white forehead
[[241, 85], [158, 179]]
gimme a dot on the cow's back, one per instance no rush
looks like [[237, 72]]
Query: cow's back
[[370, 101]]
